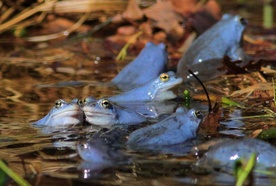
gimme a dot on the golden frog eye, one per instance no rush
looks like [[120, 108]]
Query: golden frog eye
[[105, 103], [164, 77], [84, 101], [58, 103]]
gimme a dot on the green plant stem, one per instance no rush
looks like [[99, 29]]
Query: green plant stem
[[274, 93], [267, 14], [243, 173], [20, 181]]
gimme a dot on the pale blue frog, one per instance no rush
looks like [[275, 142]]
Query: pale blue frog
[[206, 53], [222, 156], [157, 89], [176, 129], [145, 67], [62, 114], [104, 112]]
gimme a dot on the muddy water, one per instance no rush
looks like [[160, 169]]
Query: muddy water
[[30, 83]]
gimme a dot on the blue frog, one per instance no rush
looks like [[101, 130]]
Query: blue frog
[[147, 66], [104, 112], [158, 89], [62, 114], [222, 156], [205, 54], [178, 128]]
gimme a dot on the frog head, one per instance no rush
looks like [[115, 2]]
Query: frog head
[[101, 112], [63, 113], [160, 88]]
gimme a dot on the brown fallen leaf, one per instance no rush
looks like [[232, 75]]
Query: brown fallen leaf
[[164, 17], [184, 7], [210, 124], [213, 8], [132, 12], [126, 30]]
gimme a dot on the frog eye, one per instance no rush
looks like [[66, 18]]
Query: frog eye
[[164, 77], [84, 101], [80, 102], [88, 100], [58, 103], [105, 103], [84, 145], [243, 21], [197, 113]]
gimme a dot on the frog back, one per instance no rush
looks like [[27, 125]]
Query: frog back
[[148, 65], [224, 154]]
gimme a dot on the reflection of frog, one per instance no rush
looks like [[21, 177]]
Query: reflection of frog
[[221, 39], [103, 112], [157, 89], [175, 129], [102, 147], [62, 113], [147, 66], [223, 155]]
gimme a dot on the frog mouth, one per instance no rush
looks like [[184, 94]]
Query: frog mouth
[[69, 113], [177, 81], [94, 114]]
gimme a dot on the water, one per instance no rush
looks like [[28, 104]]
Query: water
[[48, 156]]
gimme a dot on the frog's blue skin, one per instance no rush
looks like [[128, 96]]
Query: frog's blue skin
[[104, 112], [147, 66], [62, 114], [176, 129], [103, 146], [153, 109], [157, 89], [221, 39], [222, 156], [102, 150]]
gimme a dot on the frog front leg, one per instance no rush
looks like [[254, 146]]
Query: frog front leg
[[237, 53]]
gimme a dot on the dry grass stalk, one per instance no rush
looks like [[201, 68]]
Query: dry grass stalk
[[68, 6], [80, 6], [59, 34], [25, 14]]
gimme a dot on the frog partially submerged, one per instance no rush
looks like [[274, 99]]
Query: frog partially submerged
[[104, 112], [176, 129], [147, 66], [157, 89], [207, 51], [222, 156], [62, 114]]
